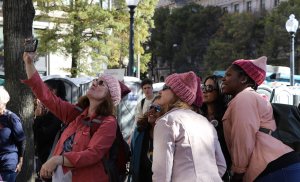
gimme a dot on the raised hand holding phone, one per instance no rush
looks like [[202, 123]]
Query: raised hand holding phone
[[30, 44]]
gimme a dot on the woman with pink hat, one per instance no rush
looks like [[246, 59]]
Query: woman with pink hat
[[186, 146], [255, 154], [84, 143]]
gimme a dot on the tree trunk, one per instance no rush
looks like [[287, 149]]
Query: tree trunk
[[17, 25]]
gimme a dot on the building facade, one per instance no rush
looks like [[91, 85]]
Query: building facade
[[231, 6]]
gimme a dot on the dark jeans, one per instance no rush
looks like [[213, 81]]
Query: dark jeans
[[8, 176], [290, 173]]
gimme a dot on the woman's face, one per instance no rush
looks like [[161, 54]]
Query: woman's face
[[154, 112], [210, 91], [166, 96], [232, 82], [98, 91]]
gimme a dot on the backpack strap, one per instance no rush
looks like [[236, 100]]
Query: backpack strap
[[142, 103], [266, 131]]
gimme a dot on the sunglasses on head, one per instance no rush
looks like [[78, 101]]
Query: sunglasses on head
[[156, 108], [208, 88], [99, 82], [166, 87]]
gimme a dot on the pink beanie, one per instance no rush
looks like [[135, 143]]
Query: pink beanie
[[199, 95], [184, 85], [255, 69], [113, 87]]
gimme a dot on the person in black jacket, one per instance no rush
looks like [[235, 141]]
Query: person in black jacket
[[213, 108], [46, 126]]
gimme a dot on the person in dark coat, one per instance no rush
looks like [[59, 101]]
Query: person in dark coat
[[46, 126], [12, 141], [142, 145]]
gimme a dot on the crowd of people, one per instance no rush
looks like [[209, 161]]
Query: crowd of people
[[190, 131]]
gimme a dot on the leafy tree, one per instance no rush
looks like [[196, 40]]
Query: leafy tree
[[276, 42], [85, 29], [181, 36], [17, 25], [82, 30], [238, 37]]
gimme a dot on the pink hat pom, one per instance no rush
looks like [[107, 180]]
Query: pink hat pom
[[255, 69]]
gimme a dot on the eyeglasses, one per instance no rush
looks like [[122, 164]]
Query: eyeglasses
[[208, 88], [156, 108], [99, 82], [166, 87]]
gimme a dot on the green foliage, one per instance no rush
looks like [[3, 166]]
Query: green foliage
[[237, 38], [90, 34], [206, 40], [276, 42], [181, 36]]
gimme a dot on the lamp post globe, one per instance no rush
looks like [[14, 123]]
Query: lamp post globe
[[291, 26], [131, 5]]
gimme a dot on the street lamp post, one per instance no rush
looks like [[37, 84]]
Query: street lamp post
[[291, 26], [131, 5], [125, 62]]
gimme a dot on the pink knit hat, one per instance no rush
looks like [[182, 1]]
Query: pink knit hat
[[184, 85], [113, 87], [255, 69]]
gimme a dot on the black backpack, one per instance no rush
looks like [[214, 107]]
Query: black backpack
[[116, 163], [287, 118]]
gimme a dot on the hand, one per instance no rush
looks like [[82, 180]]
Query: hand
[[19, 167], [28, 57], [40, 109], [48, 168]]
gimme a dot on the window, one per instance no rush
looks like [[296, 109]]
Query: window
[[276, 3], [225, 9], [236, 8], [249, 8]]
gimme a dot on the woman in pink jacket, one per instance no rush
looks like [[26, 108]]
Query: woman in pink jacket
[[82, 145], [255, 155], [186, 146]]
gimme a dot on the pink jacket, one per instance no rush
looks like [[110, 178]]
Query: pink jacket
[[251, 150], [186, 148], [87, 151]]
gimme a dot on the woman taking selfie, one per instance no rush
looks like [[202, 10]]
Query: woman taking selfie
[[81, 147], [256, 155]]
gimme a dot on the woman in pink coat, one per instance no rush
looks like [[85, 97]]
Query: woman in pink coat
[[186, 146], [255, 154]]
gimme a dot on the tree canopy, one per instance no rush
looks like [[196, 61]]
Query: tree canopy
[[92, 34]]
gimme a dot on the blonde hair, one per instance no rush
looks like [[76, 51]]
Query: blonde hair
[[4, 96], [177, 103]]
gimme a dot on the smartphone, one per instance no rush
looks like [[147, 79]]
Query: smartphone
[[30, 45]]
